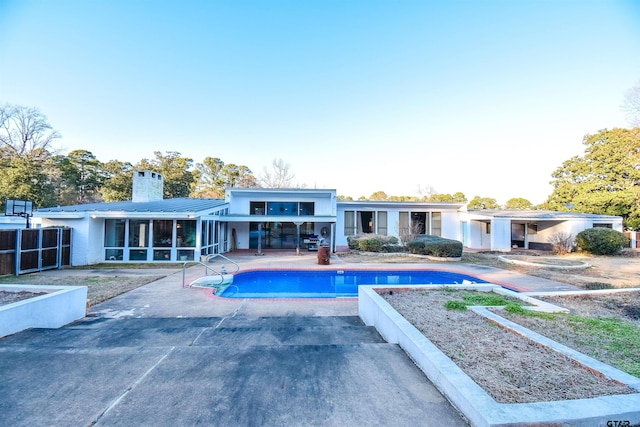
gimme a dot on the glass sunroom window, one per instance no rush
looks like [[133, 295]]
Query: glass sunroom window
[[162, 238], [282, 208], [186, 238], [114, 230], [138, 239]]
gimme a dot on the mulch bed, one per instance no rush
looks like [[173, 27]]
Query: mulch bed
[[509, 367]]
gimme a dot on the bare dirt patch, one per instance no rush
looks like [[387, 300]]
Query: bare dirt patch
[[11, 297], [619, 271], [511, 368], [102, 283]]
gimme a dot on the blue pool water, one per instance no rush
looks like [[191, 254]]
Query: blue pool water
[[331, 284]]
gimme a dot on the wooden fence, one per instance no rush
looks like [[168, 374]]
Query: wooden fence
[[34, 249]]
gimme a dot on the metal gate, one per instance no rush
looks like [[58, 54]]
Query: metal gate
[[28, 250]]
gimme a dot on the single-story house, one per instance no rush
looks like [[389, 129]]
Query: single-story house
[[151, 229]]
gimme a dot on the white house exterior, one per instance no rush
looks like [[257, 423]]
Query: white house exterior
[[503, 230], [395, 218], [261, 218], [150, 229]]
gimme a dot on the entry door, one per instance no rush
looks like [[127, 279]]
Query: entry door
[[517, 235]]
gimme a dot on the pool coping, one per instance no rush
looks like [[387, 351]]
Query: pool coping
[[469, 398]]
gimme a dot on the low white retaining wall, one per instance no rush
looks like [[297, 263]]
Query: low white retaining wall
[[469, 398], [61, 305]]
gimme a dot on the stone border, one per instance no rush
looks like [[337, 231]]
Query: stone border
[[508, 260], [61, 305], [469, 398]]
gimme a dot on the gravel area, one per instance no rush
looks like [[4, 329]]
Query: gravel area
[[511, 368]]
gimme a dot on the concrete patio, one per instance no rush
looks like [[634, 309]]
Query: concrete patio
[[167, 355]]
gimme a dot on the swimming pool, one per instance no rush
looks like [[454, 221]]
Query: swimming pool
[[331, 284]]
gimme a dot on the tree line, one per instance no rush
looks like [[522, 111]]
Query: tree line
[[32, 170], [605, 180]]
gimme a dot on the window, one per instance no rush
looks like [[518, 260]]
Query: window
[[282, 208], [186, 233], [185, 238], [349, 223], [419, 222], [403, 223], [602, 225], [162, 238], [162, 233], [306, 208], [364, 222], [382, 223], [114, 230], [138, 239], [436, 223], [488, 228], [257, 208]]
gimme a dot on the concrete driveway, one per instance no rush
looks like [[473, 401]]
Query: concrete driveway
[[164, 355]]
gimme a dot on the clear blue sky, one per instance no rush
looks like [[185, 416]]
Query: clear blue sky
[[483, 97]]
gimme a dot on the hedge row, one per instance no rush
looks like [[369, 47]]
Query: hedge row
[[373, 243], [435, 246]]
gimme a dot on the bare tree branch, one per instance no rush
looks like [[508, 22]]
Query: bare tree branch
[[25, 132], [631, 105], [279, 176]]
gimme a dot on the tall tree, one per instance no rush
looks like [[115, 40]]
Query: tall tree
[[518, 203], [483, 203], [179, 180], [25, 178], [233, 175], [207, 185], [81, 177], [605, 180], [456, 197], [379, 195], [118, 181], [214, 177], [25, 132]]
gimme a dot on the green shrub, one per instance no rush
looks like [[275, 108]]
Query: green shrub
[[455, 305], [435, 246], [373, 243], [593, 286], [601, 241], [353, 242]]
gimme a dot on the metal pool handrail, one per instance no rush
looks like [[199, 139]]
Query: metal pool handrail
[[210, 257], [206, 269]]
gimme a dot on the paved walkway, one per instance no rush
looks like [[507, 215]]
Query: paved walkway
[[164, 355]]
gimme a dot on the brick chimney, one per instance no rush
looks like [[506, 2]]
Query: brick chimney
[[147, 186]]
